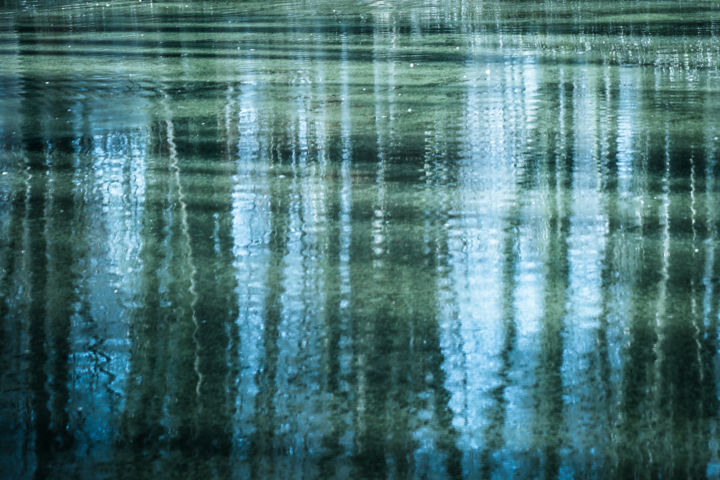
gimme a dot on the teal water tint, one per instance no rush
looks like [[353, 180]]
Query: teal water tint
[[359, 239]]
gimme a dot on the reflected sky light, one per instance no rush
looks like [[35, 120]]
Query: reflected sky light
[[437, 239]]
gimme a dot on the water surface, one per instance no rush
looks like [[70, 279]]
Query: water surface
[[353, 239]]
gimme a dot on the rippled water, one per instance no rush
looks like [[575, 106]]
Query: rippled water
[[364, 239]]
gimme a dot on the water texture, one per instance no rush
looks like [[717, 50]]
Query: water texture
[[359, 239]]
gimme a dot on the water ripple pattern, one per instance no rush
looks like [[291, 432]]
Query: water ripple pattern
[[359, 239]]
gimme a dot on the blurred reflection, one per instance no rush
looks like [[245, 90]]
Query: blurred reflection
[[418, 240]]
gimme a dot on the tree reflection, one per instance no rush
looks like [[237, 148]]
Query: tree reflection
[[393, 241], [265, 446], [53, 240], [183, 400]]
